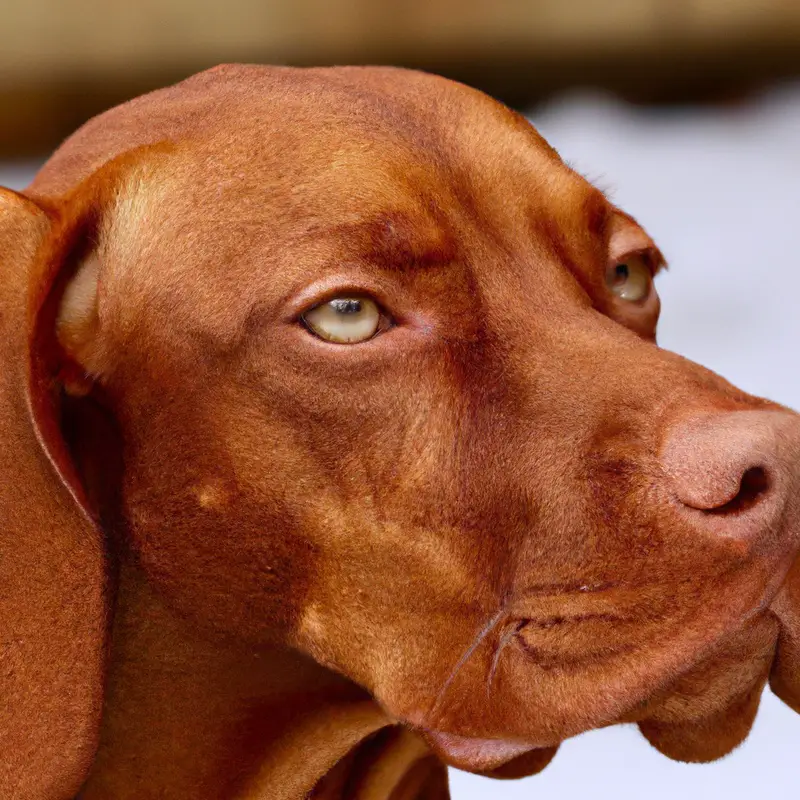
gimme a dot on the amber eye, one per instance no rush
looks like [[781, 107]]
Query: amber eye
[[630, 279], [344, 320]]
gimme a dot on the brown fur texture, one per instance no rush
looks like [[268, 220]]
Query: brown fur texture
[[239, 561]]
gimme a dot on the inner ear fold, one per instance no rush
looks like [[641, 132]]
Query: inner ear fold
[[77, 325], [77, 317], [67, 354]]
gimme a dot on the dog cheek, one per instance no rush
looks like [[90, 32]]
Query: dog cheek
[[225, 561]]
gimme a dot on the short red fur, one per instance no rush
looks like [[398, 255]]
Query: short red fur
[[239, 561]]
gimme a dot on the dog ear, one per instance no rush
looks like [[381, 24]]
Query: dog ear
[[54, 576]]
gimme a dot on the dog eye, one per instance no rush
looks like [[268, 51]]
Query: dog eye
[[344, 320], [630, 279]]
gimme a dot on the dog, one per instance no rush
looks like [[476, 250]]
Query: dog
[[337, 448]]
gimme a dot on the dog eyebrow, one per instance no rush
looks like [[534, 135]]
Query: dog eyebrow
[[600, 212], [396, 240]]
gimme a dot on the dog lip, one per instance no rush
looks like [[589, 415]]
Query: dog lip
[[546, 621], [558, 641], [562, 661], [474, 754], [573, 602]]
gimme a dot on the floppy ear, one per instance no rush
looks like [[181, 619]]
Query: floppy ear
[[54, 584]]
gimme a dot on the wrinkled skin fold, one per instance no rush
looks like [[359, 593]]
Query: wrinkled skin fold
[[305, 566]]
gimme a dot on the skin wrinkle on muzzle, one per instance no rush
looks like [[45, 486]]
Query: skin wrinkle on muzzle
[[338, 449]]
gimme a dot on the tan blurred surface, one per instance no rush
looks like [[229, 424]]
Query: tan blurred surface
[[40, 37], [63, 60]]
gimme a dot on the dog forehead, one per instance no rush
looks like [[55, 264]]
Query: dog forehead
[[246, 108], [311, 168]]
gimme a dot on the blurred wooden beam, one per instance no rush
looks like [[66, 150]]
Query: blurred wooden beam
[[61, 61]]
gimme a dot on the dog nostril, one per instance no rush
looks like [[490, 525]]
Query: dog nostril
[[734, 473], [754, 485]]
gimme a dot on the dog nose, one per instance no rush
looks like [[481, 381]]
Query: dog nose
[[737, 469]]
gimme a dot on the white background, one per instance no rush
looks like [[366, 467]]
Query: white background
[[719, 190]]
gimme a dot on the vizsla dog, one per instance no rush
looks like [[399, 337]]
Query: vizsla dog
[[337, 448]]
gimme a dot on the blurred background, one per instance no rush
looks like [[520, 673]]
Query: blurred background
[[686, 111]]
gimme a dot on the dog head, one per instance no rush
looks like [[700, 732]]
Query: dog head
[[385, 384]]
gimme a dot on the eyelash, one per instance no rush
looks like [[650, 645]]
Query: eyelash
[[647, 254]]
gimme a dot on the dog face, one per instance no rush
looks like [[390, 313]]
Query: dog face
[[385, 378]]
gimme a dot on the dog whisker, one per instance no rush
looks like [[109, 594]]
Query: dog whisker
[[504, 640], [466, 655]]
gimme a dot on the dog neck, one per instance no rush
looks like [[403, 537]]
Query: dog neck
[[188, 717]]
